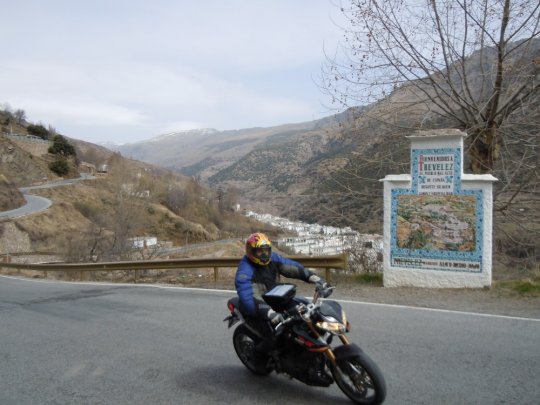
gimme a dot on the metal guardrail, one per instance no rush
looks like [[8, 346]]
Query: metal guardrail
[[34, 253], [326, 262], [27, 138]]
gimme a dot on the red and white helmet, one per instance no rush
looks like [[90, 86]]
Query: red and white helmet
[[259, 248]]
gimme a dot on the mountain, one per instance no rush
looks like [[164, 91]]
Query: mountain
[[239, 158], [285, 169], [328, 171], [204, 152]]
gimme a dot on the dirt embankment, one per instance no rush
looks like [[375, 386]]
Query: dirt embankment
[[10, 196]]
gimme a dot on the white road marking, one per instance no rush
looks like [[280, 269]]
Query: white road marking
[[210, 290]]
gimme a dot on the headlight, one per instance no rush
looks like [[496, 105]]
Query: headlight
[[332, 327]]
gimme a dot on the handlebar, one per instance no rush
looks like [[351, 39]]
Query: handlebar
[[322, 291], [305, 311]]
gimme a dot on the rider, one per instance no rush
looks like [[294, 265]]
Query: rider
[[257, 273]]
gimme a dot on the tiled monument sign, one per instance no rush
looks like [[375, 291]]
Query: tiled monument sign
[[437, 220]]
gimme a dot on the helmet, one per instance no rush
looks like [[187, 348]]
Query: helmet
[[259, 248]]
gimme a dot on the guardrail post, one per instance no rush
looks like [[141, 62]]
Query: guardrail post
[[215, 274]]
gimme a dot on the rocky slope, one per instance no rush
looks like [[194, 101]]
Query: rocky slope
[[10, 196]]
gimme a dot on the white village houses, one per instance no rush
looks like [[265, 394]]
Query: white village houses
[[321, 240]]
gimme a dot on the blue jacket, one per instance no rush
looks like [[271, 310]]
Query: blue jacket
[[252, 281]]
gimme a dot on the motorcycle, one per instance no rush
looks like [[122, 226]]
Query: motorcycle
[[301, 344]]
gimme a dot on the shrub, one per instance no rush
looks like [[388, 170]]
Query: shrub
[[60, 167], [38, 130], [370, 278], [61, 147]]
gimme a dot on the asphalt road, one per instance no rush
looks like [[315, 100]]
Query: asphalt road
[[33, 204], [64, 343], [36, 203]]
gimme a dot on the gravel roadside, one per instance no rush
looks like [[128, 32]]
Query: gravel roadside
[[484, 301]]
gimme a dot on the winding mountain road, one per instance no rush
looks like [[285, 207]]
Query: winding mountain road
[[96, 343], [36, 203]]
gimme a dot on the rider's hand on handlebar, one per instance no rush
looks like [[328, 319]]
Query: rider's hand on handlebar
[[324, 289]]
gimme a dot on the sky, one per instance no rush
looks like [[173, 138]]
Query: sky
[[128, 70]]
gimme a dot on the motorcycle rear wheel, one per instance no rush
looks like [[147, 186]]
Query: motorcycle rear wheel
[[244, 342], [361, 380]]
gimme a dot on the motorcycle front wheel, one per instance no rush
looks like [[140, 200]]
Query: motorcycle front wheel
[[361, 380], [244, 342]]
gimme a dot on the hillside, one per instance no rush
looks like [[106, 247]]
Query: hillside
[[96, 219]]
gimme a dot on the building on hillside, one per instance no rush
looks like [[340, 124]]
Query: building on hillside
[[129, 189], [88, 168], [103, 168], [143, 242]]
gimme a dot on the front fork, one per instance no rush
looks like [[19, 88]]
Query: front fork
[[329, 353], [327, 350]]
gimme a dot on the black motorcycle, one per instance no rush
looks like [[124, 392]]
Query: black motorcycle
[[301, 345]]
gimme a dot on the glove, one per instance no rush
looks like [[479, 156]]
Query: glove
[[319, 282], [324, 289], [274, 317]]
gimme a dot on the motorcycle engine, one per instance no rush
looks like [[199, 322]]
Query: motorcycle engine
[[307, 367]]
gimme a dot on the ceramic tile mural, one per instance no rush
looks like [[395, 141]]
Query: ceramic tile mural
[[435, 225]]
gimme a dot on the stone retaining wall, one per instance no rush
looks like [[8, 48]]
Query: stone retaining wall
[[31, 144]]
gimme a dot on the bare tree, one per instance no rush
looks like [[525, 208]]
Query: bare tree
[[468, 64], [127, 216], [227, 198], [425, 45], [90, 244], [20, 116]]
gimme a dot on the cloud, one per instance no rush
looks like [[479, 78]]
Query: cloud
[[153, 96], [144, 68], [86, 113]]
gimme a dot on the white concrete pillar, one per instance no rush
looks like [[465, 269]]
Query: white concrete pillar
[[437, 220]]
